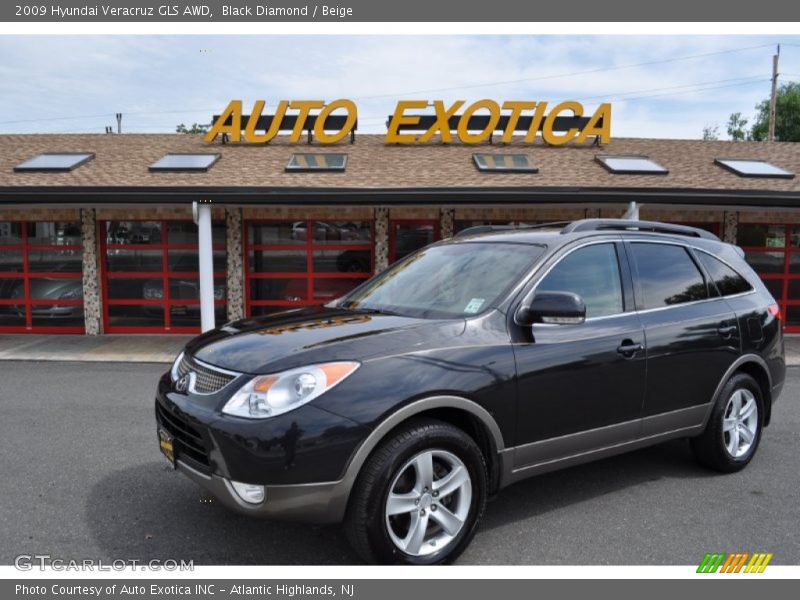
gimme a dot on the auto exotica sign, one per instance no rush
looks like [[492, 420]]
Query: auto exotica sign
[[466, 123]]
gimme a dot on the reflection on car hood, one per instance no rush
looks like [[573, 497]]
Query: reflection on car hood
[[313, 335]]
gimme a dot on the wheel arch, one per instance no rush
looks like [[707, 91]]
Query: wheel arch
[[756, 367], [461, 412]]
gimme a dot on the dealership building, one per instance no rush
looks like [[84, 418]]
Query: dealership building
[[97, 232]]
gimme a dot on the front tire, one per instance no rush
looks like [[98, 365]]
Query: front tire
[[733, 432], [419, 496]]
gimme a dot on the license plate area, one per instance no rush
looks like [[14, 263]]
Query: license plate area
[[167, 445]]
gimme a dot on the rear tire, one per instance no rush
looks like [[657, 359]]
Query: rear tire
[[419, 496], [733, 431]]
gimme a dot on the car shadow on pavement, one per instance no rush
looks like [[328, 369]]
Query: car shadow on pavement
[[151, 512], [552, 491]]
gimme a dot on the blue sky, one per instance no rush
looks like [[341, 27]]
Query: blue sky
[[77, 83]]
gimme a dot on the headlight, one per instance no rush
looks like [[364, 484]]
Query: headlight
[[174, 370], [271, 395]]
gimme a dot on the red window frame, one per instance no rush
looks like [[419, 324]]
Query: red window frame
[[437, 232], [164, 274], [26, 275], [309, 274], [785, 276]]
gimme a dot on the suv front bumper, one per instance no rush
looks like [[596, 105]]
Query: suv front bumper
[[310, 502]]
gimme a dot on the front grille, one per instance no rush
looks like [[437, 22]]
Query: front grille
[[207, 380], [188, 442]]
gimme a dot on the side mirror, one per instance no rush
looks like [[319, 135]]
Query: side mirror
[[560, 308]]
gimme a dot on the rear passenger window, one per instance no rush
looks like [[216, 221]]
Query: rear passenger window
[[592, 272], [727, 280], [667, 275]]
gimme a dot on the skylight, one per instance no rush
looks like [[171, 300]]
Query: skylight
[[317, 162], [630, 165], [745, 167], [57, 161], [496, 163], [185, 162]]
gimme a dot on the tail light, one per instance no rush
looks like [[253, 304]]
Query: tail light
[[775, 311]]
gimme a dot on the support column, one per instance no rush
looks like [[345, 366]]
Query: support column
[[447, 222], [205, 252], [92, 307], [235, 278], [381, 238], [730, 226]]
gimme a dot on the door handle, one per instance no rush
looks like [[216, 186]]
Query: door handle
[[628, 348], [727, 331]]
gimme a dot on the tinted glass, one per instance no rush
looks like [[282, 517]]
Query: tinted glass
[[133, 232], [456, 280], [592, 273], [775, 287], [756, 235], [317, 162], [504, 162], [185, 232], [631, 164], [185, 162], [277, 233], [10, 233], [54, 162], [55, 261], [54, 233], [754, 168], [411, 237], [342, 261], [344, 232], [727, 280], [667, 275]]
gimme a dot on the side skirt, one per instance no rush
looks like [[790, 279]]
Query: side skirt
[[545, 456]]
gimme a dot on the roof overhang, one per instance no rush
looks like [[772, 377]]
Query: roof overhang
[[109, 196]]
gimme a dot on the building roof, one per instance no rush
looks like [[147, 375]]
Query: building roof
[[122, 162]]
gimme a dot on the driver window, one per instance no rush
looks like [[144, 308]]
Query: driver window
[[592, 272]]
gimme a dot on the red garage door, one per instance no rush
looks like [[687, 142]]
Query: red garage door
[[287, 267], [150, 276], [41, 286]]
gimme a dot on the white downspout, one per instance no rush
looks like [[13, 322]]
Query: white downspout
[[201, 211], [632, 214]]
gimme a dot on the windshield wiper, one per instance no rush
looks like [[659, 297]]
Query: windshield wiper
[[368, 311]]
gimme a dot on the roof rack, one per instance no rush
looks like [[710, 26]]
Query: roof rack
[[627, 225], [475, 229]]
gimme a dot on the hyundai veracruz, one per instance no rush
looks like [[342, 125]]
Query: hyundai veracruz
[[472, 364]]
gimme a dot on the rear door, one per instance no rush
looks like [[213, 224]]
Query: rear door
[[692, 334]]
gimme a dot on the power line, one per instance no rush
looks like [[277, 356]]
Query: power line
[[565, 75]]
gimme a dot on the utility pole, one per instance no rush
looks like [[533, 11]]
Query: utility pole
[[119, 121], [774, 96]]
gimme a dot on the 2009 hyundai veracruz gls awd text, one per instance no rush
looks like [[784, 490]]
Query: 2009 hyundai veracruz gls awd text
[[470, 365]]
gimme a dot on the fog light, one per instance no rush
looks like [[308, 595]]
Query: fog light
[[250, 493]]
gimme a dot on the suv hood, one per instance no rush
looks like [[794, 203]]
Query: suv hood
[[317, 334]]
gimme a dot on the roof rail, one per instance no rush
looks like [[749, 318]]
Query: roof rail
[[627, 225], [475, 229]]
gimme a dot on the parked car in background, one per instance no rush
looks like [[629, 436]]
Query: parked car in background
[[472, 364]]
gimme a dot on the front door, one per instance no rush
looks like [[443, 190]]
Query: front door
[[581, 387]]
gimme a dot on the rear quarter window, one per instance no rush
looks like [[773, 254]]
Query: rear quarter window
[[667, 275], [727, 281]]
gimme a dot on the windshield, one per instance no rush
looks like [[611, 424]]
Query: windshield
[[452, 280]]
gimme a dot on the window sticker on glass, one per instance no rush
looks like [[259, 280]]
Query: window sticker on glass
[[474, 306]]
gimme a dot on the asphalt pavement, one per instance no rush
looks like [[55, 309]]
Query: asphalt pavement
[[81, 477]]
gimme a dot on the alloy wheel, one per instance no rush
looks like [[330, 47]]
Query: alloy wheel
[[740, 422], [428, 502]]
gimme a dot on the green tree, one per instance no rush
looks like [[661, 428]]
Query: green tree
[[711, 132], [737, 127], [787, 115], [195, 128]]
